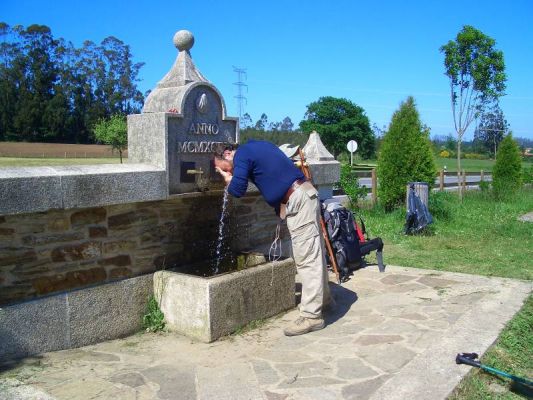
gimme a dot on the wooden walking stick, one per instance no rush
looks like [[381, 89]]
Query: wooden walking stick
[[305, 169]]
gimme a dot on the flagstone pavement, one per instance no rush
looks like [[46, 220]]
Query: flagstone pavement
[[392, 335]]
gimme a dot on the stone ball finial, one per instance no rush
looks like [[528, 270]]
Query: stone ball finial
[[183, 40]]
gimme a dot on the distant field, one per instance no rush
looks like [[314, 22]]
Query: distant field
[[55, 150], [37, 162]]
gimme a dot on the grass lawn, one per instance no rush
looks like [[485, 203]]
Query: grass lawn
[[35, 162], [479, 236]]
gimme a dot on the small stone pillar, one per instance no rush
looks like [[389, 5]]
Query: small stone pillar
[[325, 170]]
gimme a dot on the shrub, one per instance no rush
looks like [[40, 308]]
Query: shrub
[[440, 205], [350, 185], [507, 171], [484, 186], [405, 155], [527, 175], [475, 156], [444, 154]]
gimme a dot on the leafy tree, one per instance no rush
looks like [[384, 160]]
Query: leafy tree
[[338, 121], [477, 78], [405, 155], [113, 132], [507, 171], [491, 129]]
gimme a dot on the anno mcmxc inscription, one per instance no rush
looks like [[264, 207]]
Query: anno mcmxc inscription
[[198, 147], [203, 128]]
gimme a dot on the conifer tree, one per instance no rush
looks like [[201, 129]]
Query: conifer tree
[[405, 155], [507, 172]]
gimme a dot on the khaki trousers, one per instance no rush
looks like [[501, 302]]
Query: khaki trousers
[[303, 222]]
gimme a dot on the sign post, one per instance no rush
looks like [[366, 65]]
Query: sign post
[[352, 147]]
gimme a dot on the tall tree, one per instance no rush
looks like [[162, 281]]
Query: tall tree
[[11, 76], [51, 91], [491, 129], [262, 123], [40, 75], [246, 121], [338, 121], [477, 78], [405, 155], [286, 125]]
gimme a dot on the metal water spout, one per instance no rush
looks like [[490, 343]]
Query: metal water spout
[[201, 181]]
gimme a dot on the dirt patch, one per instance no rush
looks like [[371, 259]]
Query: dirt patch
[[526, 217], [55, 150]]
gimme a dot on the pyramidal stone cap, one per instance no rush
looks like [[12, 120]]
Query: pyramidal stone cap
[[315, 149], [175, 83]]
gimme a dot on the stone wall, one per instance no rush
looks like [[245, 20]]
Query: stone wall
[[59, 250]]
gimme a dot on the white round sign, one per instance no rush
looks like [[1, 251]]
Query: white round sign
[[352, 146]]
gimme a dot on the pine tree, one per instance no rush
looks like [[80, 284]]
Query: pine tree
[[507, 172], [405, 155]]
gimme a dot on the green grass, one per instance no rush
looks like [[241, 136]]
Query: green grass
[[467, 165], [35, 162], [479, 236], [512, 353]]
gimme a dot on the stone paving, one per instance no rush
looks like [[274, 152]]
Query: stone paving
[[391, 336]]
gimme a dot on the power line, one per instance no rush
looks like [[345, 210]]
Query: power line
[[241, 76]]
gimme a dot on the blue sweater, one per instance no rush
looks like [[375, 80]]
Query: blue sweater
[[267, 167]]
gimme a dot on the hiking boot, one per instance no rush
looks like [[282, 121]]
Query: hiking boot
[[304, 325]]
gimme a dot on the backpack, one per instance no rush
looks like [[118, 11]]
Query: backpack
[[348, 239], [343, 236]]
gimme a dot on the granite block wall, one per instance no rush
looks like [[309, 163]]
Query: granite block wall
[[58, 250]]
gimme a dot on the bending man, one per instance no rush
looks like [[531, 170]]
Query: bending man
[[284, 187]]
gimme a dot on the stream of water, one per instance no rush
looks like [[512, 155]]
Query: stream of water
[[220, 240]]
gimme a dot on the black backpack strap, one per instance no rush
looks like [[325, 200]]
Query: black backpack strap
[[363, 226]]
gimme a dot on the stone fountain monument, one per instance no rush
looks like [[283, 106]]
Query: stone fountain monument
[[182, 123]]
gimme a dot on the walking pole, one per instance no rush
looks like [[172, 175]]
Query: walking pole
[[470, 359], [305, 169]]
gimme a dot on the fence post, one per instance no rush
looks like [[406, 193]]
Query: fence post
[[482, 176], [374, 187], [65, 154], [421, 189], [441, 180]]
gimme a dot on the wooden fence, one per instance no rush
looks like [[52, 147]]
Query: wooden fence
[[440, 181]]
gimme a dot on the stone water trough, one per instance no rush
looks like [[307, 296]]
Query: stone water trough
[[206, 308]]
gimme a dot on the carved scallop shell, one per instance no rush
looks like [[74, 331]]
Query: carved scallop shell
[[201, 104]]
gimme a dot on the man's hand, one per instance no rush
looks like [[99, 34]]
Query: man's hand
[[226, 175]]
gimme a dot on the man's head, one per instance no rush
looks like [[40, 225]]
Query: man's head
[[224, 158], [224, 164]]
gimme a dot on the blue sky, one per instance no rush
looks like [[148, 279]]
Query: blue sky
[[372, 53]]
